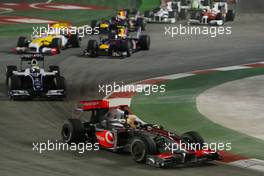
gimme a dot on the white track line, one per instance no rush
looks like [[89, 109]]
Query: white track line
[[231, 68], [174, 76], [6, 10], [254, 164]]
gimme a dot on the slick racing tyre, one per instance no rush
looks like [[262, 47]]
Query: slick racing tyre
[[9, 72], [125, 46], [60, 83], [144, 42], [22, 42], [193, 137], [56, 43], [92, 48], [141, 23], [74, 41], [141, 146], [183, 14], [173, 15], [55, 68], [184, 2], [156, 10], [206, 3], [73, 131], [230, 16], [147, 14], [14, 83], [196, 16]]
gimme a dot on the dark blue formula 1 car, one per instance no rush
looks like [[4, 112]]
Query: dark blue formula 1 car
[[33, 81]]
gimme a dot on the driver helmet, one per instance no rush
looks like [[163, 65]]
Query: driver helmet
[[131, 121], [35, 70], [215, 7], [122, 32], [121, 14]]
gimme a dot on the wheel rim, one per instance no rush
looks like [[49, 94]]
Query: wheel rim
[[66, 134], [138, 151]]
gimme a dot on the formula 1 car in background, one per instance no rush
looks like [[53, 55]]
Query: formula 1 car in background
[[166, 13], [33, 81], [51, 42], [132, 19], [116, 130], [218, 14], [135, 20], [117, 43], [171, 10]]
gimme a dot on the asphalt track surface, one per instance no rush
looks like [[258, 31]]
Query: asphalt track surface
[[22, 123]]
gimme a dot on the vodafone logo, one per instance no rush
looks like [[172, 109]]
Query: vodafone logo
[[109, 137]]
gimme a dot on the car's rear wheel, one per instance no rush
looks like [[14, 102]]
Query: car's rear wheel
[[230, 16], [72, 131], [147, 14], [55, 68], [183, 14], [74, 41], [141, 23], [156, 10], [144, 42], [206, 3], [22, 42], [141, 146], [56, 43], [172, 14]]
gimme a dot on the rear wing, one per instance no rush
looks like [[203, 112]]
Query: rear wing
[[88, 105], [93, 104], [30, 57], [227, 1]]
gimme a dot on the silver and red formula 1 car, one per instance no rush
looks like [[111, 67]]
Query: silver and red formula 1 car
[[115, 129], [218, 14]]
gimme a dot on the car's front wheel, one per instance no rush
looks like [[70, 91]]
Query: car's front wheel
[[193, 138], [92, 48], [141, 146], [14, 83], [60, 82], [9, 72]]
